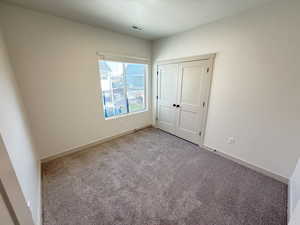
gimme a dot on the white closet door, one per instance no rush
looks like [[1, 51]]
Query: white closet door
[[167, 97], [193, 86]]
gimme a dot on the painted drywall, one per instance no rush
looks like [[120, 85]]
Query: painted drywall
[[16, 135], [256, 83], [57, 70]]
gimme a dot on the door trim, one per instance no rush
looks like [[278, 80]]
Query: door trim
[[8, 204], [11, 190], [185, 59], [210, 58]]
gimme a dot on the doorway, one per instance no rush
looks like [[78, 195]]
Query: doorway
[[183, 89]]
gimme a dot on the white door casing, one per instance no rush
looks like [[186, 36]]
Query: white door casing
[[11, 192], [5, 215]]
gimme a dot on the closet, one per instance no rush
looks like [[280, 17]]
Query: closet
[[183, 89]]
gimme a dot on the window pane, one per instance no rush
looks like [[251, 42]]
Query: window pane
[[135, 79], [123, 87], [113, 88]]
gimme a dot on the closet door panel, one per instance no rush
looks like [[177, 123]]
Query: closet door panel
[[167, 97], [191, 97]]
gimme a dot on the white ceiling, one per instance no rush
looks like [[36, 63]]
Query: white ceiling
[[157, 18]]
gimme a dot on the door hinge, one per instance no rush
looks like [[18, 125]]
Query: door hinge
[[203, 104], [207, 70], [200, 133], [157, 73], [157, 97]]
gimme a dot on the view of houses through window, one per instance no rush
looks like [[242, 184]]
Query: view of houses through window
[[123, 87]]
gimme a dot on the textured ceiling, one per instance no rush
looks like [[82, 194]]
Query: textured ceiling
[[157, 18]]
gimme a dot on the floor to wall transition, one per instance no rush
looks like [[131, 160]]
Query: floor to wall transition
[[151, 177]]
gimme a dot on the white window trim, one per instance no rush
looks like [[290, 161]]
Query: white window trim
[[126, 59], [123, 58], [126, 114]]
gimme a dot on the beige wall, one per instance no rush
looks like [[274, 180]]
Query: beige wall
[[56, 67], [17, 137], [256, 84]]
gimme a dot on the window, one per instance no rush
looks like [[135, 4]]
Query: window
[[123, 87]]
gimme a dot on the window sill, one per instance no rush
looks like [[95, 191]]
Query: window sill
[[125, 115]]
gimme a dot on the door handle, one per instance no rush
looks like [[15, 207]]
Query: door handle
[[174, 105], [177, 106]]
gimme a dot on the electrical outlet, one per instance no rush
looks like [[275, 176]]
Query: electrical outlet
[[231, 140]]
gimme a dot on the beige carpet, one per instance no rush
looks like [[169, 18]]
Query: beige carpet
[[154, 178]]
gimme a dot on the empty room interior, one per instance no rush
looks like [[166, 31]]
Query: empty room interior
[[149, 112]]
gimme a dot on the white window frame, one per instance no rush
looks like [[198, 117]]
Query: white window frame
[[126, 59]]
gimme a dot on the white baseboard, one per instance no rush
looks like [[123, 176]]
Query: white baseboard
[[40, 207], [290, 201], [249, 165], [92, 144]]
